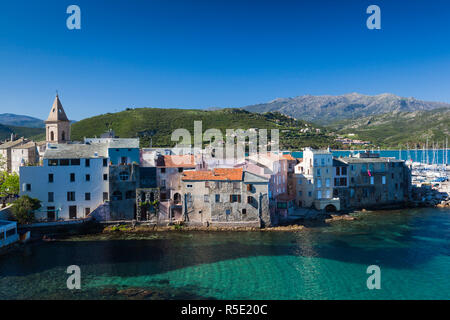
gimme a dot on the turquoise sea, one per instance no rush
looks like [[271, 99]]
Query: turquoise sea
[[412, 248]]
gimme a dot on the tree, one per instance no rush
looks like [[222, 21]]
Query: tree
[[23, 209], [9, 184]]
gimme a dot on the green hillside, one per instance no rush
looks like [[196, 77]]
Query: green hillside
[[399, 129], [160, 123], [5, 132]]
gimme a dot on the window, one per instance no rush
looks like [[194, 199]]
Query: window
[[309, 194], [244, 211], [123, 160], [50, 197], [217, 198], [352, 193], [163, 183], [105, 162], [88, 177], [10, 232], [163, 170], [343, 171], [180, 170], [50, 177], [105, 196], [87, 196], [51, 213], [117, 196], [206, 198], [124, 176], [300, 193], [71, 196], [189, 186], [338, 171], [327, 183], [328, 194], [383, 179], [87, 162], [319, 183], [236, 185], [64, 162], [72, 177], [372, 180], [249, 187], [319, 194], [228, 212], [87, 211], [52, 162], [75, 162], [299, 181], [235, 198], [28, 187], [105, 177]]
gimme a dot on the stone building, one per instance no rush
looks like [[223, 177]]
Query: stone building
[[6, 153], [225, 197], [23, 155], [375, 182]]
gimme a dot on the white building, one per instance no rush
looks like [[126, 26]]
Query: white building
[[315, 182], [72, 182]]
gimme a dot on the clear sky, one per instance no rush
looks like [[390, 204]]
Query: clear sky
[[211, 53]]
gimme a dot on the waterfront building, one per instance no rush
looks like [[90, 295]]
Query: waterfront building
[[374, 181], [225, 197], [315, 182], [57, 125], [8, 233], [72, 181], [170, 169]]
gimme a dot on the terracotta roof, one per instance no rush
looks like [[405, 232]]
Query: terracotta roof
[[176, 161], [288, 157], [57, 113], [222, 174]]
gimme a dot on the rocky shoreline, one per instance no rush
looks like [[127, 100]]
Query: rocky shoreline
[[127, 227]]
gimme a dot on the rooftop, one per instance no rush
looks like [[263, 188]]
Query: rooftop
[[76, 151], [218, 174], [11, 144], [176, 161], [57, 113], [368, 160]]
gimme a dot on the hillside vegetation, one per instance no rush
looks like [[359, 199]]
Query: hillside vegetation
[[157, 125], [399, 129], [5, 132]]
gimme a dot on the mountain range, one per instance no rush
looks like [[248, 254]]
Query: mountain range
[[10, 119], [327, 108]]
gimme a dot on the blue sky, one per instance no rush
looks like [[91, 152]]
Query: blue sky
[[200, 54]]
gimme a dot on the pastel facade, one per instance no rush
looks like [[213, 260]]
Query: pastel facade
[[315, 181], [22, 155]]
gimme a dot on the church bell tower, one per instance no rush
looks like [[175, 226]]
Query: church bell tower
[[57, 125]]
